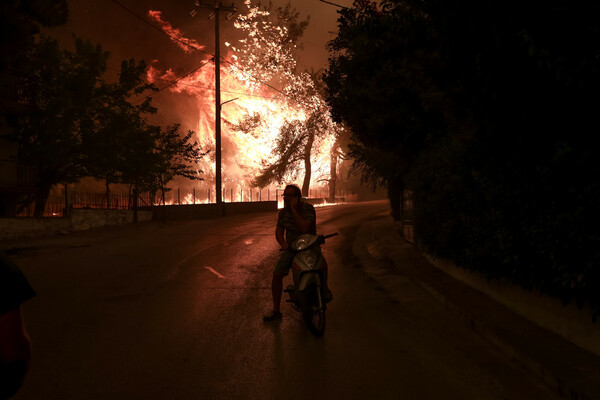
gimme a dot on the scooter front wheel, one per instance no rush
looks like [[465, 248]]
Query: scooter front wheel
[[313, 314]]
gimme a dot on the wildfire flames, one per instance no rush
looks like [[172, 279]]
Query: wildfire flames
[[244, 154]]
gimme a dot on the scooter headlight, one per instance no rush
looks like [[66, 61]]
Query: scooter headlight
[[301, 243]]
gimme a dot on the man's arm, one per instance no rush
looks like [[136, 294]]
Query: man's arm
[[279, 235], [15, 352], [303, 224]]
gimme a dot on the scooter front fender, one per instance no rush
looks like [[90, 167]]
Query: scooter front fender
[[307, 278]]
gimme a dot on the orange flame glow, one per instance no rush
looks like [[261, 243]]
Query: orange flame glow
[[244, 154]]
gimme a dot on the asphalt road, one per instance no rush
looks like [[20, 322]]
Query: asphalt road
[[174, 311]]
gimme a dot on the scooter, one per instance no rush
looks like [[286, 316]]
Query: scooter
[[306, 294]]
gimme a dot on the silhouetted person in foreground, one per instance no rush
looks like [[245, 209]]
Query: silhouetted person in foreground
[[295, 218], [15, 346]]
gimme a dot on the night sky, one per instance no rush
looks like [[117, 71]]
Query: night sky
[[125, 36]]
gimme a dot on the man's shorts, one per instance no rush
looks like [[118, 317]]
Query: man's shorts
[[285, 263]]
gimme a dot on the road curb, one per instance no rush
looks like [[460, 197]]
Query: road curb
[[530, 365]]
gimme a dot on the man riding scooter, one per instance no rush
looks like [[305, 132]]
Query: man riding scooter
[[295, 218]]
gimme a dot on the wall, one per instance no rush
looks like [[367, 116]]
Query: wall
[[80, 219], [83, 218], [206, 211]]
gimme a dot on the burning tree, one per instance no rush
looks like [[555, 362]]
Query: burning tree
[[270, 135], [266, 57], [297, 138], [267, 51]]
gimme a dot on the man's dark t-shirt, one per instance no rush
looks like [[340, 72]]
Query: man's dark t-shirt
[[286, 220], [14, 288]]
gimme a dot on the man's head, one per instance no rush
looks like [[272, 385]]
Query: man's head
[[291, 192]]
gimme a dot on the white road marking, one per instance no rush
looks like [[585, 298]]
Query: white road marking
[[177, 267], [215, 272]]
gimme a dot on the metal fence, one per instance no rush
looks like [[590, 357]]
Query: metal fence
[[56, 203], [52, 209]]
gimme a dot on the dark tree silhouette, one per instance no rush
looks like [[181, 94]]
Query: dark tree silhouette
[[485, 110]]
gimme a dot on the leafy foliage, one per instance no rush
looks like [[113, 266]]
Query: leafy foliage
[[64, 89], [20, 21], [117, 115], [375, 84], [81, 126]]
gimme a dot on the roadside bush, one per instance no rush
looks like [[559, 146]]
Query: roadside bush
[[532, 223]]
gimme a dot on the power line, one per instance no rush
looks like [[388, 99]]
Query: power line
[[333, 4]]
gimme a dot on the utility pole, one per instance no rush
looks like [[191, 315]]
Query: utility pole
[[217, 8]]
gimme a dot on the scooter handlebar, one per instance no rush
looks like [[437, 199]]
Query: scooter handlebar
[[322, 240]]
